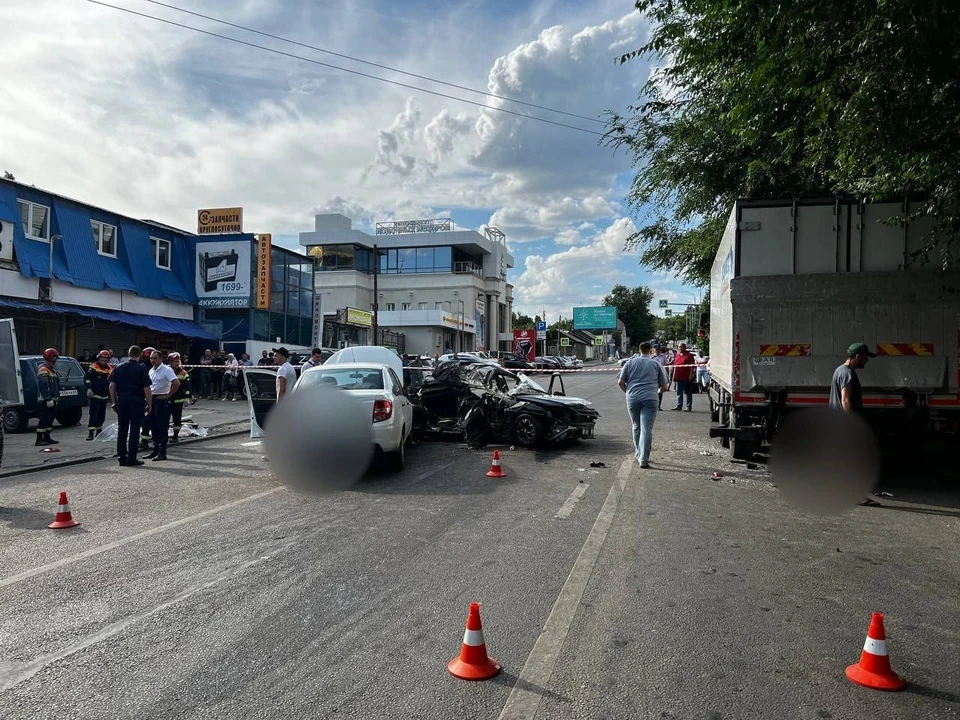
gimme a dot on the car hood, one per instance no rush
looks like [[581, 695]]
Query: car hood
[[555, 400]]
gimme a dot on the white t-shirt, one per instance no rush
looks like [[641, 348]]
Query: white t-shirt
[[286, 371], [702, 362], [161, 378]]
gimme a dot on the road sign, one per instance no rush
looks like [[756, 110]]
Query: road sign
[[564, 342], [595, 318], [664, 303], [668, 313], [598, 341], [541, 326]]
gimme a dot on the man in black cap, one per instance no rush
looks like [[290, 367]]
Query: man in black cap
[[845, 392]]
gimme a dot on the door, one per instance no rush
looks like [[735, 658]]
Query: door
[[11, 383], [261, 385]]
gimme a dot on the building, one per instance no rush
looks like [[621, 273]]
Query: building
[[439, 287], [75, 276]]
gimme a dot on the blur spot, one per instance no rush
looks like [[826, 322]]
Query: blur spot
[[825, 461], [319, 440]]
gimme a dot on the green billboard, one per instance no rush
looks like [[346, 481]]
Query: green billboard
[[595, 318]]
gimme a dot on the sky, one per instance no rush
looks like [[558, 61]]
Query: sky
[[156, 121]]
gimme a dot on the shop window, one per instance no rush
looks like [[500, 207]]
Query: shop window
[[306, 303], [277, 267], [276, 297], [261, 326], [277, 329]]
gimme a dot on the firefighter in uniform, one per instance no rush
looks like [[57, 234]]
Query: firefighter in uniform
[[146, 427], [48, 395], [97, 381], [181, 397]]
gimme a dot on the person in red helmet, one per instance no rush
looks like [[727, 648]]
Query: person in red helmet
[[180, 397], [48, 395], [97, 380]]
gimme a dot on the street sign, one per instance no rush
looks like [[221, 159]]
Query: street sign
[[668, 313], [664, 303], [595, 318], [541, 326], [598, 341], [564, 342]]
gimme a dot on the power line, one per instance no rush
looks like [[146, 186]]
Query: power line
[[373, 64], [347, 70]]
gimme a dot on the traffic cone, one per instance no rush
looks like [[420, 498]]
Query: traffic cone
[[873, 670], [495, 470], [473, 663], [64, 518]]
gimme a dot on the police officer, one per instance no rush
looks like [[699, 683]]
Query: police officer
[[146, 426], [130, 395], [48, 395], [181, 397], [97, 380], [163, 384]]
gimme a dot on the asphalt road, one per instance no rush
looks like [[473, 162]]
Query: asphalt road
[[207, 589]]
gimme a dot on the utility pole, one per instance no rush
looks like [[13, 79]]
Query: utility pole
[[376, 295]]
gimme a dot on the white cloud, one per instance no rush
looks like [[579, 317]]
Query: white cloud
[[568, 236], [528, 221], [391, 142], [441, 131]]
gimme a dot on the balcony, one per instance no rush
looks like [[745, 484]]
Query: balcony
[[467, 268]]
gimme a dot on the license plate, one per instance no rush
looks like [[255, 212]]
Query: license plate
[[66, 393]]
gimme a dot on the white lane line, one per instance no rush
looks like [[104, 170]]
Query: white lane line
[[15, 676], [526, 694], [133, 538], [567, 507]]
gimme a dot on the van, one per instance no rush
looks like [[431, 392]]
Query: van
[[73, 394]]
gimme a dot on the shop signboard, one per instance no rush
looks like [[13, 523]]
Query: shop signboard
[[223, 276], [220, 221], [264, 246], [481, 324], [359, 317]]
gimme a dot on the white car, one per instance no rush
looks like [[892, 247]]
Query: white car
[[381, 390]]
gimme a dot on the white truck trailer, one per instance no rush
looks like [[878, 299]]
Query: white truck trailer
[[795, 283]]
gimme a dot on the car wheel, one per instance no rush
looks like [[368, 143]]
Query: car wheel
[[526, 430], [398, 460], [14, 420], [71, 417]]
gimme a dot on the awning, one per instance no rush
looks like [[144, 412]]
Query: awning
[[173, 326]]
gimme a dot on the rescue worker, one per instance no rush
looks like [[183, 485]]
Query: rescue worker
[[146, 426], [97, 380], [48, 395], [181, 397]]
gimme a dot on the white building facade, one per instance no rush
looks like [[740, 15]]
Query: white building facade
[[442, 288]]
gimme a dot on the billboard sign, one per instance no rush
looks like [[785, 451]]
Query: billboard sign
[[525, 344], [595, 318], [481, 324], [223, 273], [317, 318], [264, 246], [220, 221], [359, 317]]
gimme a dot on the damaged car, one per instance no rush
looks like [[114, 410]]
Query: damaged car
[[486, 404]]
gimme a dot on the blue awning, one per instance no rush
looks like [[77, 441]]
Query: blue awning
[[172, 326]]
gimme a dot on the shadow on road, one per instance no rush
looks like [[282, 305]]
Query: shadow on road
[[513, 681], [32, 519], [929, 692]]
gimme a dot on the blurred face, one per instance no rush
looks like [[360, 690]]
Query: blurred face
[[155, 359], [207, 353], [175, 363], [315, 357], [279, 359], [683, 348]]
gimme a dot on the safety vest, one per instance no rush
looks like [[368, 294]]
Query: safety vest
[[98, 379], [183, 392], [48, 383]]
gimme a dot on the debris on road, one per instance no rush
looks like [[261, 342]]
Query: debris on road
[[717, 476], [597, 465]]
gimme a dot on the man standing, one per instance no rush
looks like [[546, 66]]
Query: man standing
[[316, 360], [97, 380], [264, 360], [684, 371], [641, 378], [660, 359], [85, 358], [703, 370], [179, 397], [845, 391], [286, 375], [113, 362], [206, 374], [48, 395], [146, 425], [163, 383], [130, 395]]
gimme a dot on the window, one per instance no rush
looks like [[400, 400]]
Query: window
[[439, 306], [35, 219], [391, 307], [407, 260], [425, 260], [406, 306], [162, 250], [105, 238], [423, 306], [442, 259]]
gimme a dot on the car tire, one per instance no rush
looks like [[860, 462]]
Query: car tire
[[14, 420], [70, 417], [526, 430], [397, 461]]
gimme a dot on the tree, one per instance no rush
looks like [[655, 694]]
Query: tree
[[7, 175], [633, 308], [522, 322], [671, 328], [758, 99]]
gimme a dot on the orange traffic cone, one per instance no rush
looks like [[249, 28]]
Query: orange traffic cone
[[64, 518], [473, 663], [495, 469], [873, 670]]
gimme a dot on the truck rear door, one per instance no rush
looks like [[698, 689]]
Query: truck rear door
[[11, 383]]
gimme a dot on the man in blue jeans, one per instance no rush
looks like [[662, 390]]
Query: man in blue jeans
[[642, 380]]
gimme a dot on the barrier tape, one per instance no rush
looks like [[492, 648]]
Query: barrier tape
[[428, 369]]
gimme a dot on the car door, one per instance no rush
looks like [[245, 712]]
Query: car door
[[261, 386], [401, 400]]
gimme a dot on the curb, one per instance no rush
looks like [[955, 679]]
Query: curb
[[95, 458]]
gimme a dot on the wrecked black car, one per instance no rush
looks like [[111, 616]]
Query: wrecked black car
[[487, 404]]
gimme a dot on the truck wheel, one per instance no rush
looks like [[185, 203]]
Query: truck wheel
[[741, 450], [71, 417], [714, 410], [14, 419]]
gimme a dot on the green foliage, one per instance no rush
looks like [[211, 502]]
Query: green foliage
[[522, 322], [760, 99], [671, 328], [633, 309]]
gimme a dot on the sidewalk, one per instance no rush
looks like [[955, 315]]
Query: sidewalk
[[20, 453]]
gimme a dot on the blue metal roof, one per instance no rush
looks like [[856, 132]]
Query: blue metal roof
[[82, 258], [33, 256], [174, 326]]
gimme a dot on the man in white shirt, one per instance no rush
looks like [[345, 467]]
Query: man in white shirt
[[316, 359], [286, 375], [163, 384]]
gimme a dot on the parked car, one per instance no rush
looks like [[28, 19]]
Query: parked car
[[515, 362], [73, 394], [380, 389]]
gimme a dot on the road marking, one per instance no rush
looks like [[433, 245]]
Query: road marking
[[526, 694], [567, 507], [133, 538], [251, 444], [16, 675]]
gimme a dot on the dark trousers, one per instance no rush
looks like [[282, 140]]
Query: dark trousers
[[98, 413], [206, 377], [47, 415], [176, 415], [159, 422], [684, 387], [129, 417]]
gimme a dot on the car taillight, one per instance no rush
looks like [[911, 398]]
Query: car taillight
[[382, 410]]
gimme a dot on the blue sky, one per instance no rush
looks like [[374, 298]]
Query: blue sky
[[156, 121]]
